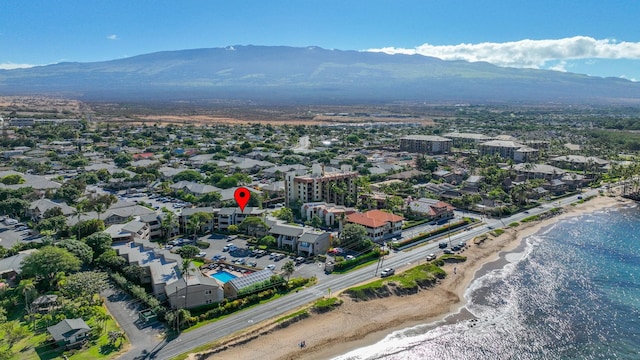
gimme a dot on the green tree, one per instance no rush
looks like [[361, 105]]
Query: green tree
[[84, 285], [168, 223], [269, 241], [12, 179], [253, 224], [99, 242], [232, 228], [88, 227], [188, 175], [315, 221], [288, 268], [122, 159], [78, 248], [13, 332], [47, 262], [285, 214], [188, 251], [110, 260], [353, 236]]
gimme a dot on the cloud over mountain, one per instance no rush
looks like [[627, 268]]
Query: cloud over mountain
[[528, 53]]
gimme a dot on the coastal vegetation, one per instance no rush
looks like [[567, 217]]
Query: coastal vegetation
[[421, 276]]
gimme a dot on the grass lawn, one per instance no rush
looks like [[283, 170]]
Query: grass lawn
[[31, 347]]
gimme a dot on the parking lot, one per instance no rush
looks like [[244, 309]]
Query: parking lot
[[12, 233], [235, 249]]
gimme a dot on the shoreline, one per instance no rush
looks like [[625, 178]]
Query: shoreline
[[358, 324]]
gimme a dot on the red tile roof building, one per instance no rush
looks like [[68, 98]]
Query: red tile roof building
[[380, 225]]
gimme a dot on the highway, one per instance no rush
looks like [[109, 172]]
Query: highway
[[246, 318]]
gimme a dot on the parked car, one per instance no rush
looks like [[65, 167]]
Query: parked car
[[271, 267], [228, 247], [241, 261], [448, 251], [168, 247], [279, 257], [431, 257], [349, 257], [300, 260], [253, 263], [387, 272], [218, 257], [202, 254]]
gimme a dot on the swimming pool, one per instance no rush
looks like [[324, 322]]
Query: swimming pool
[[223, 276]]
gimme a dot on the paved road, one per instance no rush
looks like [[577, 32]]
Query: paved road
[[246, 318]]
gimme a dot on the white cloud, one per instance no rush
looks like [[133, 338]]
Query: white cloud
[[113, 37], [528, 53], [12, 66]]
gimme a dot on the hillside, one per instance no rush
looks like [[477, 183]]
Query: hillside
[[289, 75]]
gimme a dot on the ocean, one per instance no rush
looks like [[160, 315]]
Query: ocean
[[571, 291]]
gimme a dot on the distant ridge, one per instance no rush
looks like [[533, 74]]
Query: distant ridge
[[305, 75]]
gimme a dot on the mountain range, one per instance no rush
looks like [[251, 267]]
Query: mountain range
[[309, 75]]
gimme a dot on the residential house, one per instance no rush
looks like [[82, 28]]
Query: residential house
[[45, 303], [10, 267], [38, 207], [380, 225], [70, 332]]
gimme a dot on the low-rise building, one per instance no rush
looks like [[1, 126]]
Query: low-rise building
[[330, 214], [432, 209], [380, 225]]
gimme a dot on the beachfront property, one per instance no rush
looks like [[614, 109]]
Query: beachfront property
[[380, 225], [426, 144], [304, 241], [162, 271], [322, 184]]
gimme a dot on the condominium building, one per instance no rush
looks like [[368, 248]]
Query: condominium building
[[323, 184], [508, 149], [426, 144]]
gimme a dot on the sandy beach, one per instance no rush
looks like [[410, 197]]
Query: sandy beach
[[357, 324]]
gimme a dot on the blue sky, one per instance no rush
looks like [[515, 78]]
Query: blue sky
[[599, 38]]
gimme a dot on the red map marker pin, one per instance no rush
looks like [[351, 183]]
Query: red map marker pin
[[242, 196]]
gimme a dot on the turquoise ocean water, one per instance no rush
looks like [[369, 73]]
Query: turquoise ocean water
[[572, 291]]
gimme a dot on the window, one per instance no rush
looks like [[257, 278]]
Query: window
[[208, 292]]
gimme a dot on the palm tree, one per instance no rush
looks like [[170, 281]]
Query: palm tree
[[79, 211], [167, 225], [100, 208], [28, 286], [288, 268], [185, 268]]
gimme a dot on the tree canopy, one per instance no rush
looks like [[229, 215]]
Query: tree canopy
[[48, 261]]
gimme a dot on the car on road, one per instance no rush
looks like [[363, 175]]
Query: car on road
[[431, 257], [387, 272], [580, 197], [443, 245]]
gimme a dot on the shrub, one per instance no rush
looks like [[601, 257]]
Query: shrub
[[203, 244]]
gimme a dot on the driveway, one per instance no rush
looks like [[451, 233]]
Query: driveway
[[125, 310]]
